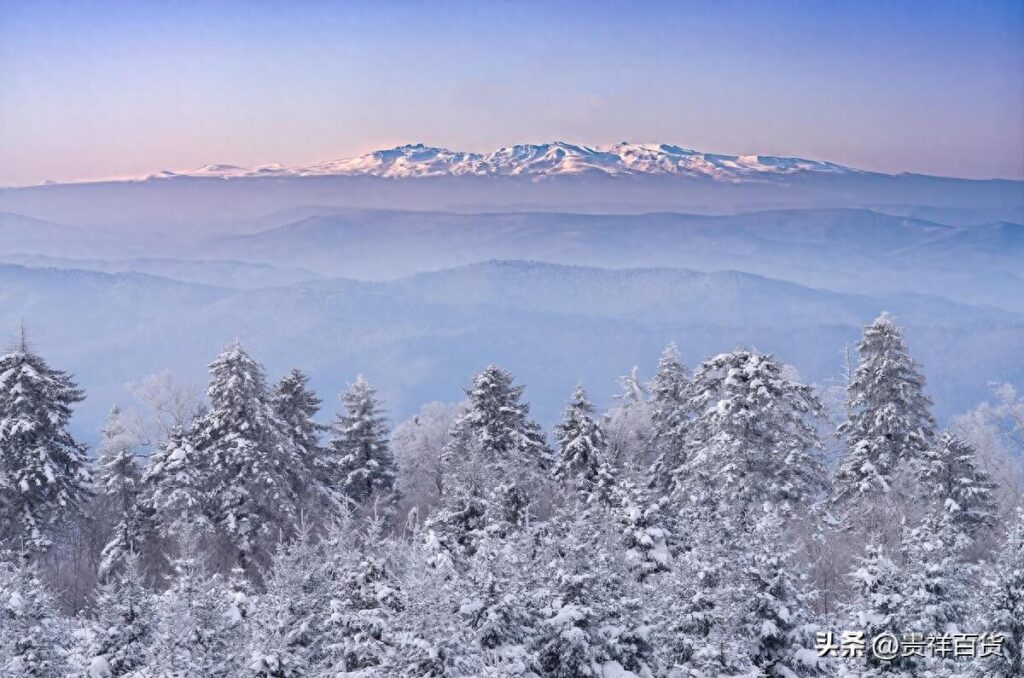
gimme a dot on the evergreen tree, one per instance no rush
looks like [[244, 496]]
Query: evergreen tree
[[177, 485], [364, 602], [934, 581], [494, 464], [754, 438], [284, 624], [126, 618], [670, 415], [195, 634], [33, 635], [296, 406], [879, 606], [773, 610], [591, 624], [582, 447], [1003, 608], [119, 484], [44, 473], [249, 458], [889, 426], [952, 476], [364, 465]]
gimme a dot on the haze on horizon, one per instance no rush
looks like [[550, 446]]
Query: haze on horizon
[[104, 89]]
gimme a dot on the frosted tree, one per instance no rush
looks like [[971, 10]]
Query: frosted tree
[[119, 486], [889, 426], [33, 635], [249, 457], [1003, 607], [296, 405], [125, 623], [629, 426], [418, 445], [754, 437], [364, 466], [494, 463], [952, 476], [44, 473], [582, 447], [670, 414]]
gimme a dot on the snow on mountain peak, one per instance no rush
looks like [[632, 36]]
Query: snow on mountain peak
[[537, 160]]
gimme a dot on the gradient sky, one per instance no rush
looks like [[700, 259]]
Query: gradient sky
[[93, 89]]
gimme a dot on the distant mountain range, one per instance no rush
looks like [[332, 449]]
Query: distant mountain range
[[534, 160]]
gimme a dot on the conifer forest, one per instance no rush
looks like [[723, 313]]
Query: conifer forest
[[721, 519]]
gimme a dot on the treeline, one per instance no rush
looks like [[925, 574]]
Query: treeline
[[710, 524]]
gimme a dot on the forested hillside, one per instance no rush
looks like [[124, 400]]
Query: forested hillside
[[720, 520]]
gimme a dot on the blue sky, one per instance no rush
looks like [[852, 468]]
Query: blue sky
[[94, 89]]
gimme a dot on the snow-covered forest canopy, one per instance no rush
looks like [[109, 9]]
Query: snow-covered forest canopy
[[721, 519]]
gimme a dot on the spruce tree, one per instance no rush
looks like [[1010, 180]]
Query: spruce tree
[[889, 426], [33, 634], [284, 635], [878, 606], [1003, 607], [177, 485], [362, 457], [44, 472], [249, 458], [119, 485], [125, 620], [296, 406], [952, 477], [494, 464], [582, 447], [195, 634], [755, 438], [670, 415]]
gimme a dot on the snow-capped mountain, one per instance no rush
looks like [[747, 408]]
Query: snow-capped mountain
[[553, 159]]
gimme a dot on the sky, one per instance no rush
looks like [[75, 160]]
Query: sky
[[95, 89]]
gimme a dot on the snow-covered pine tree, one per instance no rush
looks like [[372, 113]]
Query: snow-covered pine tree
[[953, 477], [118, 486], [44, 472], [934, 581], [249, 456], [296, 405], [670, 416], [125, 622], [176, 485], [772, 608], [878, 606], [195, 634], [363, 601], [1003, 608], [494, 463], [889, 426], [365, 468], [284, 639], [591, 623], [582, 448], [33, 634], [754, 437], [497, 605]]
